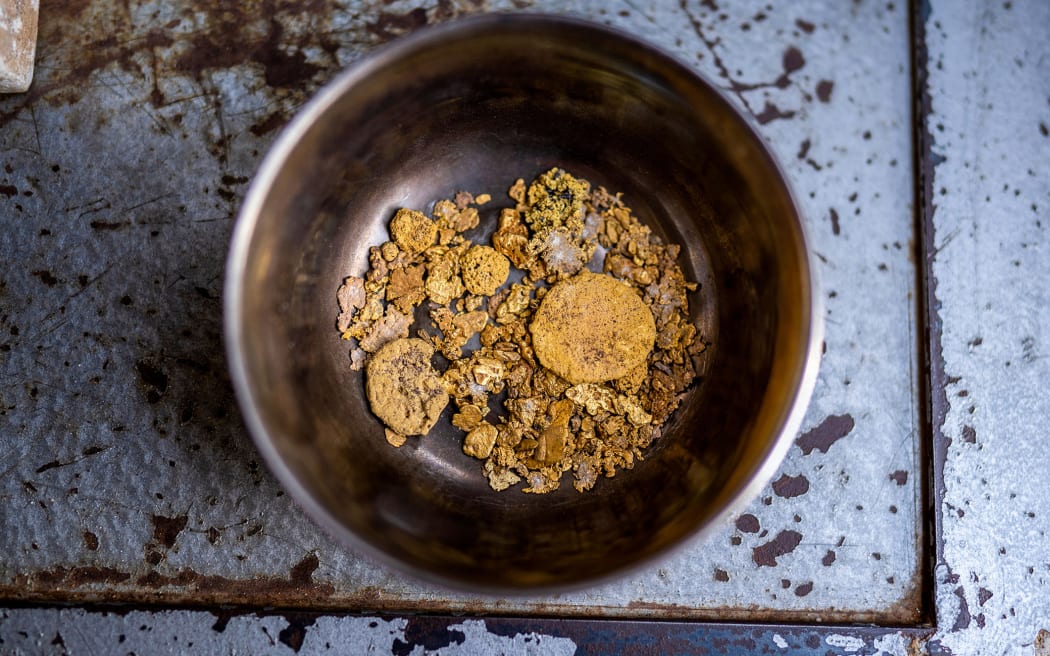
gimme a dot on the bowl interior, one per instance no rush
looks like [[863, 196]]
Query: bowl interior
[[474, 106]]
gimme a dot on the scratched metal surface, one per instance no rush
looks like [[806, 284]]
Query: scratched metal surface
[[990, 131], [128, 474]]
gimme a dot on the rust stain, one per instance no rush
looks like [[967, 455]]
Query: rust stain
[[299, 583], [90, 540], [747, 523], [791, 486], [166, 529], [969, 435], [79, 576], [824, 88], [772, 113], [765, 555], [900, 477], [829, 431], [793, 60]]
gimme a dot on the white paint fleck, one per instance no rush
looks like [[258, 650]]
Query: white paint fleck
[[849, 643], [779, 641], [891, 645]]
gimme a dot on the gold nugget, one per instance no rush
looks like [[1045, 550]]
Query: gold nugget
[[403, 388], [592, 328]]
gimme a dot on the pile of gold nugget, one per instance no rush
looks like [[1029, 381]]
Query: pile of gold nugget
[[589, 365]]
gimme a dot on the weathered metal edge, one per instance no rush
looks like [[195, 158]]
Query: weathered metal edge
[[933, 448]]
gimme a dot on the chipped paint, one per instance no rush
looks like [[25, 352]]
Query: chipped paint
[[849, 644]]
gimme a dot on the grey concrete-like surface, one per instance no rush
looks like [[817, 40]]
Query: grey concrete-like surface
[[130, 476]]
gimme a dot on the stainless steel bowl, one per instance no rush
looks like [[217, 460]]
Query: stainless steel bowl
[[473, 105]]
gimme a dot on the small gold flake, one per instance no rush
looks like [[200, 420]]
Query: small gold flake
[[480, 440], [412, 230], [395, 439]]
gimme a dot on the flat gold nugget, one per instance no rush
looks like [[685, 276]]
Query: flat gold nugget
[[403, 388], [592, 328]]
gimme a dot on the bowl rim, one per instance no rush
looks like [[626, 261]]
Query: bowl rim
[[246, 222]]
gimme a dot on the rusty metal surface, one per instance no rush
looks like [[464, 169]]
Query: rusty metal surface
[[74, 631], [988, 135], [128, 473]]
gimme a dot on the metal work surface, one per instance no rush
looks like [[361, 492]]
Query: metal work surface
[[990, 137], [129, 475]]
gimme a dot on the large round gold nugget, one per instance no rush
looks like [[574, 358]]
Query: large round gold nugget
[[403, 388], [592, 328]]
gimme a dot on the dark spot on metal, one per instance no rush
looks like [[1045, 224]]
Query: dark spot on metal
[[268, 124], [835, 227], [155, 380], [8, 190], [212, 534], [721, 575], [109, 225], [735, 541], [58, 641], [804, 589], [747, 523], [828, 558], [829, 431], [221, 621], [824, 88], [90, 540], [969, 435], [1043, 130], [228, 179], [154, 557], [389, 25], [983, 595], [28, 486], [793, 60], [791, 486], [302, 573], [803, 149], [976, 341], [876, 555], [900, 477], [771, 113], [765, 555], [963, 619], [46, 277], [54, 464], [427, 635], [294, 634], [805, 26], [166, 529]]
